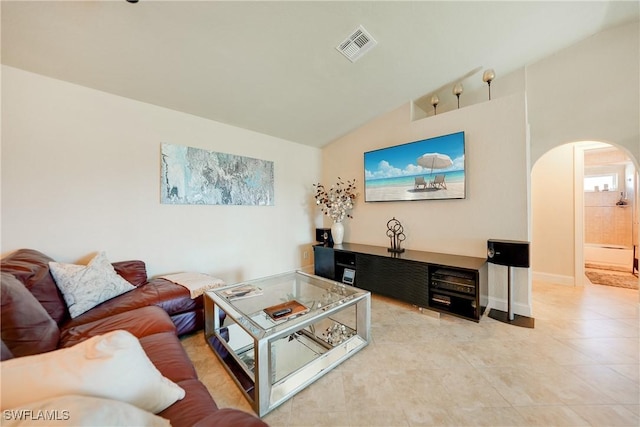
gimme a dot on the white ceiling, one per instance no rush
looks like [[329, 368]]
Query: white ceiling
[[272, 67]]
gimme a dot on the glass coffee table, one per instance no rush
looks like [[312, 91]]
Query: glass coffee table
[[277, 335]]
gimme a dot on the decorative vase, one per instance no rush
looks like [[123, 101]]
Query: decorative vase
[[337, 232]]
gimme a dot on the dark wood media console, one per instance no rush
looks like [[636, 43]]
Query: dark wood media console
[[445, 283]]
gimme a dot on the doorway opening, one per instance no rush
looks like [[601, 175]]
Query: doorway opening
[[574, 214], [610, 215]]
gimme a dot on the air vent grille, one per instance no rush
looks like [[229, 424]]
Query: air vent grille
[[357, 44]]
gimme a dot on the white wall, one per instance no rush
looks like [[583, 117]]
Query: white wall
[[588, 92], [81, 173], [553, 217], [496, 205]]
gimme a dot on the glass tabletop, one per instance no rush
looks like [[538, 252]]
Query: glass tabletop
[[250, 302]]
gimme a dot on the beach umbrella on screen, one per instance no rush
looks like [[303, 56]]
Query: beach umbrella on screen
[[434, 161]]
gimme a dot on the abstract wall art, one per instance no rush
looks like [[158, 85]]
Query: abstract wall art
[[195, 176]]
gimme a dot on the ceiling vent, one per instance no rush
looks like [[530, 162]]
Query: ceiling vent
[[357, 44]]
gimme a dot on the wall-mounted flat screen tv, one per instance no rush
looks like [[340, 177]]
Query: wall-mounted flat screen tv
[[429, 169]]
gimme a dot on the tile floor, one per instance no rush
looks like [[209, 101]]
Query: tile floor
[[579, 366]]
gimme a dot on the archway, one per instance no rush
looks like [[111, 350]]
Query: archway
[[557, 207]]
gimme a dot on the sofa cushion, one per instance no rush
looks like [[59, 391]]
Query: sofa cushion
[[27, 328], [167, 354], [174, 298], [32, 269], [140, 322], [197, 404], [133, 271], [169, 296], [81, 411], [111, 366]]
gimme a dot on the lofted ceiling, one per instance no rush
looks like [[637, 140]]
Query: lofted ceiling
[[273, 67]]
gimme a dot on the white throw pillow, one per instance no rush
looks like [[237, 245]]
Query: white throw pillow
[[84, 287], [80, 411], [111, 366]]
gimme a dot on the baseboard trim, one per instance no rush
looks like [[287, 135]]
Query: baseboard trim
[[553, 278]]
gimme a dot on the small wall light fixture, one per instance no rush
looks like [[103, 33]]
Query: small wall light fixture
[[487, 77], [457, 91], [434, 101]]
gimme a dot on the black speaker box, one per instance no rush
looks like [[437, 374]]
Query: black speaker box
[[513, 253], [323, 235]]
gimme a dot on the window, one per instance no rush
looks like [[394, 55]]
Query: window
[[603, 182]]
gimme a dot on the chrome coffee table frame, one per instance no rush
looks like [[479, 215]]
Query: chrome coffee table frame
[[272, 360]]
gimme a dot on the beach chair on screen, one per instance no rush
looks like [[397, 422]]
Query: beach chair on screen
[[420, 181], [438, 182]]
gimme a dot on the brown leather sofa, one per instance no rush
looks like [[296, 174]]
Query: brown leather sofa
[[156, 312]]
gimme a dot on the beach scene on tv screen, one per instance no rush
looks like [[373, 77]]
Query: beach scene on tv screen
[[422, 170]]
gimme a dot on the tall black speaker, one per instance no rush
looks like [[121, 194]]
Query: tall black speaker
[[512, 253]]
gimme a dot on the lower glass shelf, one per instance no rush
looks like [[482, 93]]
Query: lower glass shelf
[[288, 354], [308, 373]]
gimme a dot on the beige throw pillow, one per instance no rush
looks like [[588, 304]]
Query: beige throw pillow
[[110, 366], [84, 287]]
